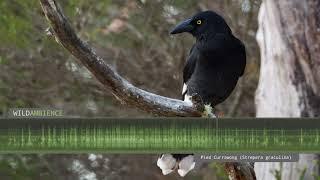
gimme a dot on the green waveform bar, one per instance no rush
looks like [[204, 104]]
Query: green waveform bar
[[158, 135]]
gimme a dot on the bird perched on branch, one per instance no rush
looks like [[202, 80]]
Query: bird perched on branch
[[215, 63]]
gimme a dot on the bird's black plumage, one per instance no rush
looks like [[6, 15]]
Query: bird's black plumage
[[216, 60], [215, 63]]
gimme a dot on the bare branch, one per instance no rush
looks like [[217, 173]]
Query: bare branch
[[120, 88]]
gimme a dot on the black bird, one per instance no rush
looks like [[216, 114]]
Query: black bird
[[215, 63]]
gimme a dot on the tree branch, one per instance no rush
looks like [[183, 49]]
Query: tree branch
[[122, 89]]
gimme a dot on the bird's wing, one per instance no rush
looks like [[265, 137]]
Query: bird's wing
[[242, 58], [228, 46], [237, 55], [188, 70]]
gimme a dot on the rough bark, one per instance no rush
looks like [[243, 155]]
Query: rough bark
[[240, 171], [289, 86], [122, 89]]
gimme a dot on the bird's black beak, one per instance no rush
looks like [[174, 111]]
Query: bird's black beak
[[184, 26]]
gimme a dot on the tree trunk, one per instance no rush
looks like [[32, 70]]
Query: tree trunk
[[289, 39]]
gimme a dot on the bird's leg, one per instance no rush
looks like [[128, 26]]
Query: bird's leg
[[206, 109]]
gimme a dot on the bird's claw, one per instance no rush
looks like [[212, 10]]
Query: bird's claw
[[197, 101]]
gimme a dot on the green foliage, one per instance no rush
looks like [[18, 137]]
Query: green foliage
[[219, 170], [316, 177], [15, 19], [20, 19], [3, 60]]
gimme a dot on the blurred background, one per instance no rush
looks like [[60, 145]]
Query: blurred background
[[132, 36]]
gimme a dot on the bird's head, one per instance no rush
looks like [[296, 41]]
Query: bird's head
[[201, 24]]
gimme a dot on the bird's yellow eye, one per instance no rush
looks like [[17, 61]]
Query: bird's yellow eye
[[199, 22]]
